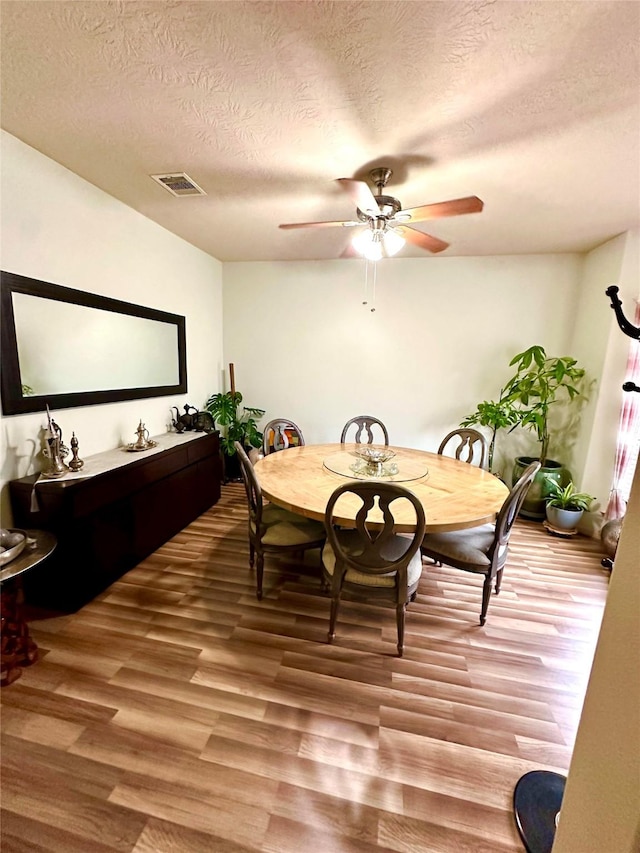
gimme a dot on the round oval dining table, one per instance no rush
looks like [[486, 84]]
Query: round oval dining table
[[454, 494]]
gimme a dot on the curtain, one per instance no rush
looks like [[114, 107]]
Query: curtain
[[628, 434]]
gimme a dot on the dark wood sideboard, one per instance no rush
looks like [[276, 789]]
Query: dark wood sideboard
[[108, 523]]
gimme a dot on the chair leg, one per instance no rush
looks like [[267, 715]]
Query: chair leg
[[498, 581], [486, 595], [400, 612], [335, 604], [252, 554], [259, 574]]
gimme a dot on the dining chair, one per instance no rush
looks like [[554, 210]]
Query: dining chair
[[372, 561], [279, 434], [364, 427], [468, 445], [482, 550], [273, 529]]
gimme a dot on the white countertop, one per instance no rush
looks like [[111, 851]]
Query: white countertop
[[108, 460]]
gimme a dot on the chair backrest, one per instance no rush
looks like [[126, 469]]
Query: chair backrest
[[469, 445], [511, 507], [368, 556], [279, 434], [364, 424], [251, 486]]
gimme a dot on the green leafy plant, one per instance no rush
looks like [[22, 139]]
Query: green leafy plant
[[539, 382], [238, 423], [495, 414], [566, 497]]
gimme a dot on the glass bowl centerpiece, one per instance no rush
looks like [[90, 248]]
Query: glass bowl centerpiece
[[374, 457]]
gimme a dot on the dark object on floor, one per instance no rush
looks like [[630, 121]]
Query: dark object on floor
[[537, 798]]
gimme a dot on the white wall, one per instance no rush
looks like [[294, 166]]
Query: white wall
[[58, 228], [601, 806], [440, 340], [603, 349]]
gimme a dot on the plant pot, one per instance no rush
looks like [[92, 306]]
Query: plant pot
[[534, 504], [232, 472], [563, 519]]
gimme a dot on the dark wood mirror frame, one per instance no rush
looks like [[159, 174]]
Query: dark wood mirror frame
[[13, 401]]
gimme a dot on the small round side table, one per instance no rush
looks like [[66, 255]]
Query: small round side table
[[17, 647]]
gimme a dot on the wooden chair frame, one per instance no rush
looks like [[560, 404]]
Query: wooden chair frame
[[372, 541], [279, 427], [364, 425], [467, 441], [257, 526], [498, 548]]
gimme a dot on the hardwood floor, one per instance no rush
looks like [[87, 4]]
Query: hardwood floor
[[175, 713]]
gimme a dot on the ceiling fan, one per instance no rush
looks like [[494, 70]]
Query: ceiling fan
[[387, 223]]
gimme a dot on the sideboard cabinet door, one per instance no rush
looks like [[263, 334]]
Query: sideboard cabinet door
[[108, 523]]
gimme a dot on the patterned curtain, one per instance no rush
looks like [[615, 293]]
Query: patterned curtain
[[628, 434]]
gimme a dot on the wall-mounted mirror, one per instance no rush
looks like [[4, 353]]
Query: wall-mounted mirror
[[66, 348]]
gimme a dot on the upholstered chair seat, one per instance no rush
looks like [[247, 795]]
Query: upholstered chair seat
[[281, 528], [273, 529], [351, 544], [470, 547], [482, 550], [373, 561]]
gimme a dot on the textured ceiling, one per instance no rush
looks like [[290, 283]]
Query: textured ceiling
[[532, 106]]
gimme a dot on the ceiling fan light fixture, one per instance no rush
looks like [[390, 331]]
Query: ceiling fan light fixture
[[368, 243], [393, 242], [374, 244]]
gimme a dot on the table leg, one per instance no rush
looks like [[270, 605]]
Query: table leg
[[17, 647]]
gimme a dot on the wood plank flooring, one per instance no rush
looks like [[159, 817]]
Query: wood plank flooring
[[176, 714]]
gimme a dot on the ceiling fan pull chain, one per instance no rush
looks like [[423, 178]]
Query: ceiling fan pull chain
[[373, 289], [365, 295]]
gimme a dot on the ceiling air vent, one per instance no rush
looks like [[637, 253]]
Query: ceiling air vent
[[178, 184]]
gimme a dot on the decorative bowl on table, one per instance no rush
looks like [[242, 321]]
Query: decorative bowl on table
[[373, 455], [12, 544], [371, 461]]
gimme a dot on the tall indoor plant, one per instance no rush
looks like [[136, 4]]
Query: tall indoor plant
[[495, 414], [237, 423], [539, 383]]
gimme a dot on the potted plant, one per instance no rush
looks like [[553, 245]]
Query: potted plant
[[540, 382], [495, 414], [565, 505], [238, 423]]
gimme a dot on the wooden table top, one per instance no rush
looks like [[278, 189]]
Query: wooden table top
[[455, 495]]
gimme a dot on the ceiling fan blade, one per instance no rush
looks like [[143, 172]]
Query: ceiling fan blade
[[454, 207], [318, 224], [360, 194], [419, 238]]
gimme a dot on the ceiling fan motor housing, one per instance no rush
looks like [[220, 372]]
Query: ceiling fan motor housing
[[388, 205]]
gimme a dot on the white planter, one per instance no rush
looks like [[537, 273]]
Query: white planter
[[563, 519]]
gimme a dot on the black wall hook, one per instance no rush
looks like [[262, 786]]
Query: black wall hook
[[628, 328]]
